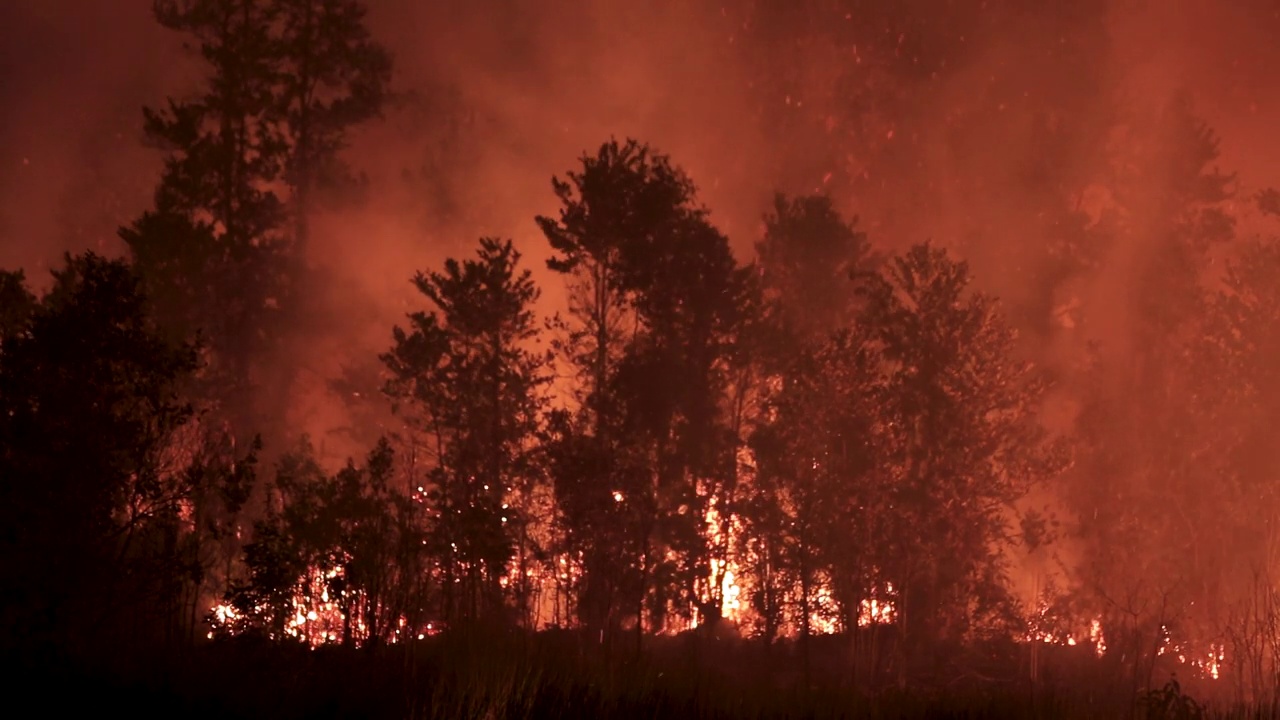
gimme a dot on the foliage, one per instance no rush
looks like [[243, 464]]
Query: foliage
[[222, 250], [469, 379], [333, 76], [16, 304], [654, 428], [1160, 467], [808, 257], [1172, 703], [349, 541], [896, 452], [959, 429], [88, 414]]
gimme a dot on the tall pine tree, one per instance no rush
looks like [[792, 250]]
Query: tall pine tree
[[469, 376]]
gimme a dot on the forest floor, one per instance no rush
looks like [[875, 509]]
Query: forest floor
[[496, 680]]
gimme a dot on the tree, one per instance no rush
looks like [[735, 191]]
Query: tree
[[219, 480], [212, 251], [656, 448], [334, 76], [811, 262], [624, 196], [470, 378], [957, 443], [1150, 429], [820, 520], [898, 449], [604, 512], [809, 257], [225, 148], [288, 79], [1227, 565], [790, 516], [89, 410], [337, 557], [16, 304], [672, 385]]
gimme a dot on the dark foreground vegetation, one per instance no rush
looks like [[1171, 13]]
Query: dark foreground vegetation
[[552, 676]]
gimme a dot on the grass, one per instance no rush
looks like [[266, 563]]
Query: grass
[[501, 676]]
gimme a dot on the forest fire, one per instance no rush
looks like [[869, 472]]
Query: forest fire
[[878, 609], [937, 362], [311, 616]]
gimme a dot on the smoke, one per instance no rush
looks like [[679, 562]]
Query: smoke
[[951, 121], [537, 83], [74, 76]]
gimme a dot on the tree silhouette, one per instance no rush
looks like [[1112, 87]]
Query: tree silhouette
[[958, 442], [659, 449], [471, 380], [672, 387], [333, 77], [811, 264], [88, 414], [1151, 438], [212, 251], [624, 198], [16, 304], [222, 251], [349, 542], [807, 257]]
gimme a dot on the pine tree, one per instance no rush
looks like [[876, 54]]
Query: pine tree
[[1147, 433], [333, 77], [656, 447], [223, 249], [809, 257], [16, 304], [812, 262], [469, 377], [624, 196]]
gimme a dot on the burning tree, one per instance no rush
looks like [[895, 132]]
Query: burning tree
[[1235, 384], [672, 383], [1154, 429], [653, 443], [897, 451], [339, 558], [810, 262], [468, 377], [624, 196]]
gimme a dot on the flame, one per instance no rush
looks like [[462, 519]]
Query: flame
[[877, 609], [314, 616], [1096, 637]]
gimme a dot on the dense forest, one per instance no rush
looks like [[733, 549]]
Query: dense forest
[[825, 467]]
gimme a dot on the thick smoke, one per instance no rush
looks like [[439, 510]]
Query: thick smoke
[[502, 95], [969, 104]]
